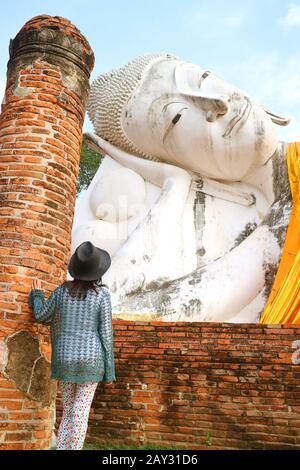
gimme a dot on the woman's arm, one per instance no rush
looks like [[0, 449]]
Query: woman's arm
[[42, 310], [106, 336]]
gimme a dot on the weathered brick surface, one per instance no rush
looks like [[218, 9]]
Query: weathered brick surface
[[40, 136], [177, 382]]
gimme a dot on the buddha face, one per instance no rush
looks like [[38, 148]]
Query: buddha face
[[187, 116]]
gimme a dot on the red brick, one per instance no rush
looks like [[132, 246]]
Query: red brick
[[14, 446], [222, 398], [17, 436], [11, 404]]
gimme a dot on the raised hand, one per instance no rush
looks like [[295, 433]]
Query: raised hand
[[36, 284]]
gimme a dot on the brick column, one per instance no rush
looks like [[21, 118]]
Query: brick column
[[40, 137]]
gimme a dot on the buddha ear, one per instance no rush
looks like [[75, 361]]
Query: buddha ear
[[281, 121]]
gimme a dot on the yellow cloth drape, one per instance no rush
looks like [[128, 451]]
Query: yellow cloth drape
[[283, 305]]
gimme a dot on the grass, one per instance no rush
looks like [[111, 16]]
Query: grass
[[208, 439], [110, 446]]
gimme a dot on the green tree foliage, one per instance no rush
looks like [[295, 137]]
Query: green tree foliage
[[89, 164]]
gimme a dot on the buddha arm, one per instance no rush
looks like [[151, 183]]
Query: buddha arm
[[155, 172], [133, 263]]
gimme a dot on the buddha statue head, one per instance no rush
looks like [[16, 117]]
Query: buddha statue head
[[163, 109]]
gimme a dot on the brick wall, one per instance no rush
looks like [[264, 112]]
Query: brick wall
[[40, 136], [193, 384]]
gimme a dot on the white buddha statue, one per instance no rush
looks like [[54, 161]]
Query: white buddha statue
[[192, 199]]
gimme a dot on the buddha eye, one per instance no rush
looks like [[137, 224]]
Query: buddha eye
[[172, 123], [176, 118], [206, 73], [203, 77]]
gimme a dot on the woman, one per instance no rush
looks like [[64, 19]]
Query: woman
[[80, 316]]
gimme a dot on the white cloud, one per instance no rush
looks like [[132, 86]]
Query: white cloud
[[219, 27], [224, 26], [231, 22], [292, 18]]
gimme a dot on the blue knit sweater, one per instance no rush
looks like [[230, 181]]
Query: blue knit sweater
[[81, 334]]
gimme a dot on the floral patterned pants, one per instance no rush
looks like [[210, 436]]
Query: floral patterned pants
[[77, 400]]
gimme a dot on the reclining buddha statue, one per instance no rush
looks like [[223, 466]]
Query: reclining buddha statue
[[192, 199]]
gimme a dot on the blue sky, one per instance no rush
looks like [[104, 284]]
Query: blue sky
[[251, 43]]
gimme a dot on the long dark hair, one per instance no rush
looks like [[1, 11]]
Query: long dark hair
[[79, 288]]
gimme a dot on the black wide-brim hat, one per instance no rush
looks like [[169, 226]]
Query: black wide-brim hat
[[89, 262]]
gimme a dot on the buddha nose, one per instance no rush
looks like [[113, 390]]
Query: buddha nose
[[219, 107]]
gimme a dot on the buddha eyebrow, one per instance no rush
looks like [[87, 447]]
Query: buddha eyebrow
[[172, 102]]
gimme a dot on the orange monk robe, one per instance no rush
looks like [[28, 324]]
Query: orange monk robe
[[283, 305]]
